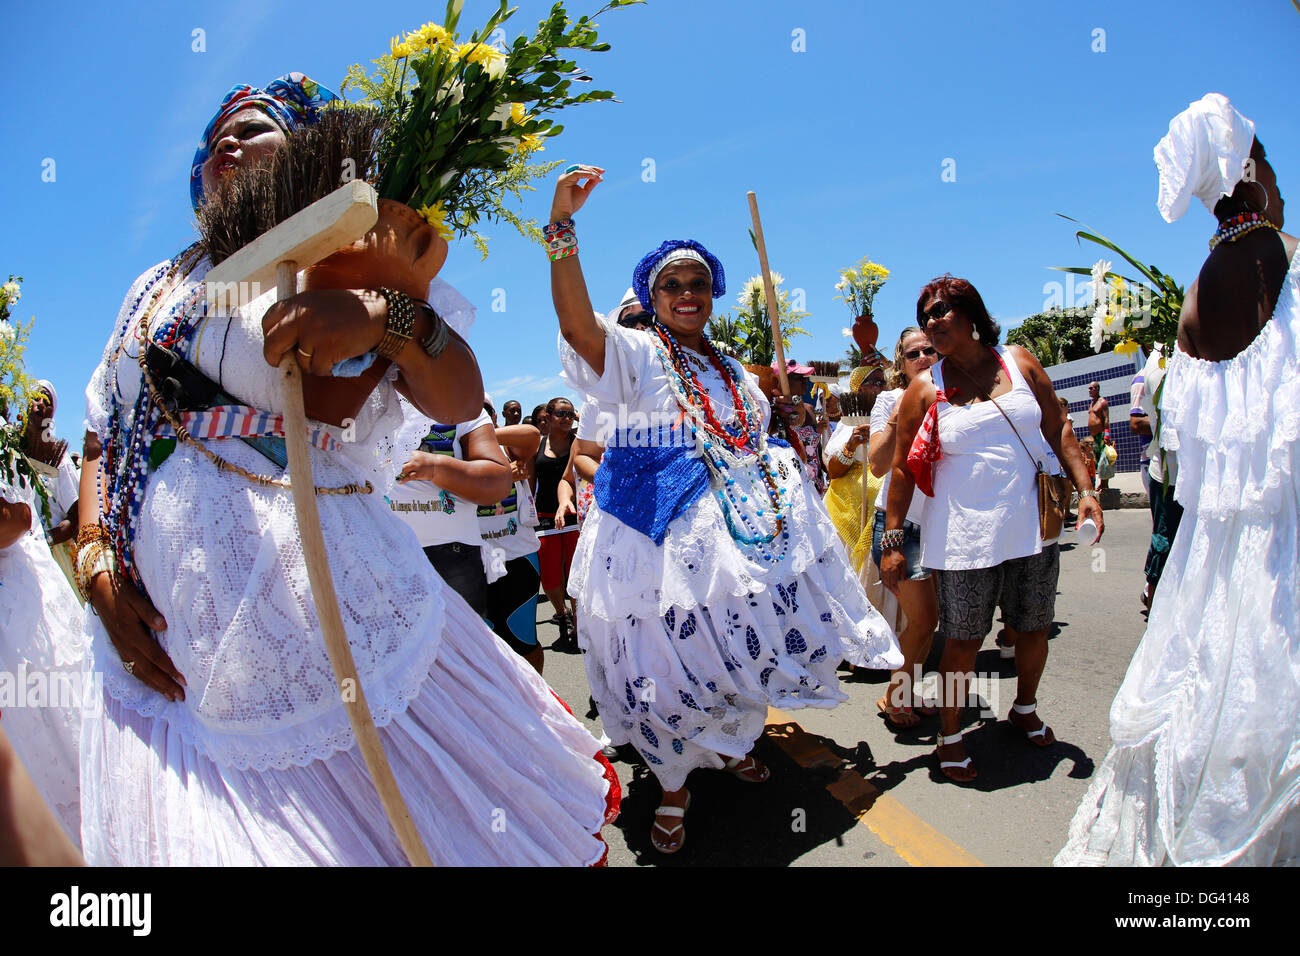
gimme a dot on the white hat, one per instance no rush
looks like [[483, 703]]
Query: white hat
[[1203, 155]]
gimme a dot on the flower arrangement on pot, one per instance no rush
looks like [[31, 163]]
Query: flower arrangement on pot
[[858, 286], [444, 130]]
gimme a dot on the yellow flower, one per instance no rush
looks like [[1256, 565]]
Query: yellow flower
[[433, 35], [531, 143], [517, 114], [436, 216], [490, 58], [398, 49], [1127, 347]]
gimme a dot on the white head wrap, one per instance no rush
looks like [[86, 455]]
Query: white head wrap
[[1203, 155], [47, 386], [676, 255]]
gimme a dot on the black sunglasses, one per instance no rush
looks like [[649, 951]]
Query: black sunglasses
[[562, 413], [915, 354], [937, 311], [640, 318]]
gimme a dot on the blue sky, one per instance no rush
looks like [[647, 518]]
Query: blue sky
[[844, 142]]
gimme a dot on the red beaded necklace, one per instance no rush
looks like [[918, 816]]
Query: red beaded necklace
[[699, 398]]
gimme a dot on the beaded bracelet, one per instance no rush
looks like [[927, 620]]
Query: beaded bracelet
[[561, 239], [892, 540], [844, 459]]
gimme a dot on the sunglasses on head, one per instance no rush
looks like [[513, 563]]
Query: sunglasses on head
[[915, 354]]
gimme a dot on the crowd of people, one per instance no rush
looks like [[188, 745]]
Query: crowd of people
[[711, 549]]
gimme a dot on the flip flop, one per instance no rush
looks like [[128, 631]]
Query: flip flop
[[670, 832], [1043, 736], [895, 716], [736, 766], [946, 765]]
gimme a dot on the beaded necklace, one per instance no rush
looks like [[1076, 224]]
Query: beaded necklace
[[1233, 228], [131, 432], [729, 451]]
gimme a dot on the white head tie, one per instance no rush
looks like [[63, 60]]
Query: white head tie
[[1203, 155], [676, 255]]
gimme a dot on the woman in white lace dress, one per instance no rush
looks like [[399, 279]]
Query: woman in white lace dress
[[42, 692], [1206, 726], [224, 739], [712, 582]]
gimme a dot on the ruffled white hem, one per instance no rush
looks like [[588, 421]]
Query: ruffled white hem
[[493, 769]]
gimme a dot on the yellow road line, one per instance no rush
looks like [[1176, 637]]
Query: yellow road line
[[918, 843]]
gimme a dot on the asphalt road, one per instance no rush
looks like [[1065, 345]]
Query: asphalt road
[[847, 791]]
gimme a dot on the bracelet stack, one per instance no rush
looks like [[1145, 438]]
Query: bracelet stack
[[892, 540], [400, 326], [561, 240], [94, 556], [844, 459]]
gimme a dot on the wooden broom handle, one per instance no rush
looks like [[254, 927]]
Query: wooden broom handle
[[770, 293], [327, 604]]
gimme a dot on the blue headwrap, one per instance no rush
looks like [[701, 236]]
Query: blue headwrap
[[648, 268], [291, 100]]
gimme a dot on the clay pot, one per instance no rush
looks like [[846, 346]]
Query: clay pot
[[401, 252], [865, 333], [766, 378]]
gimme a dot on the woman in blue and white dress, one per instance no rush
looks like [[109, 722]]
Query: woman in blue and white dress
[[712, 582]]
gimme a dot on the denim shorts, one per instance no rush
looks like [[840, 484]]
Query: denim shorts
[[911, 547]]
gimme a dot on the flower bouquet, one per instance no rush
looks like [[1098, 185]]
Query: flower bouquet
[[461, 119], [1137, 314], [17, 390]]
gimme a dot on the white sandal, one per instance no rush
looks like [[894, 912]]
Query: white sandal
[[670, 833], [1036, 737], [735, 765], [945, 765]]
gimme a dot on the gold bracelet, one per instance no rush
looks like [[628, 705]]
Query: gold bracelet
[[400, 326]]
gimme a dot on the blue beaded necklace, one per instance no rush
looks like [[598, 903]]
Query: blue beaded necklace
[[131, 429]]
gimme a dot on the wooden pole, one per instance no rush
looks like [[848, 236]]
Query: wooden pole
[[770, 293], [326, 600], [305, 238]]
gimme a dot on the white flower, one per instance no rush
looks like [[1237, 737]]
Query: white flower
[[848, 333], [7, 333], [453, 94], [1098, 324], [1099, 271], [496, 68]]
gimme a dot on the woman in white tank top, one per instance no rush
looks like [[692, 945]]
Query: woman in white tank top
[[992, 414]]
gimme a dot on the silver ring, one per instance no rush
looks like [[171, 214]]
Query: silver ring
[[129, 667]]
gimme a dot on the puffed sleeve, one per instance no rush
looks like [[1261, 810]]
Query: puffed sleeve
[[628, 356]]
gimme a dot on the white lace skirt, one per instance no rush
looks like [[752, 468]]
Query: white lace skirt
[[493, 770], [689, 643]]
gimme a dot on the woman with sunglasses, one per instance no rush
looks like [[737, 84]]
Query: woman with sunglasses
[[986, 415], [916, 597], [712, 580]]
